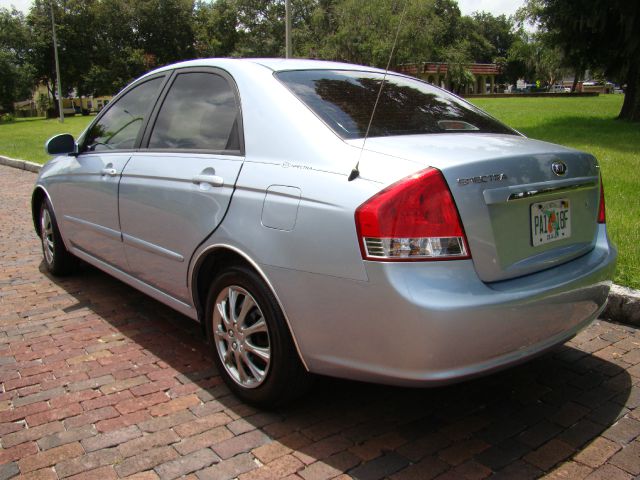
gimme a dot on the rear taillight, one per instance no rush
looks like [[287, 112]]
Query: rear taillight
[[413, 219], [602, 214]]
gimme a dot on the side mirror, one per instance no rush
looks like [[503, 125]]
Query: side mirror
[[60, 144]]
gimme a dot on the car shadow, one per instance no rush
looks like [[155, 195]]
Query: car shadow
[[520, 422]]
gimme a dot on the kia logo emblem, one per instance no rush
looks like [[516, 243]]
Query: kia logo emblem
[[559, 168]]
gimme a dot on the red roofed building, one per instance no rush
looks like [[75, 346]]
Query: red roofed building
[[436, 73]]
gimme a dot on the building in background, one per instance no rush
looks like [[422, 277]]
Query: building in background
[[41, 104], [484, 76]]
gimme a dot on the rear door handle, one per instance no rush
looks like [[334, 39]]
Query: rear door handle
[[213, 180], [112, 172]]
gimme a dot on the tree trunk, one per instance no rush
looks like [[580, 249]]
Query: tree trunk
[[631, 105], [576, 79], [51, 87]]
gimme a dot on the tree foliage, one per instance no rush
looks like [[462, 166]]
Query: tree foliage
[[363, 32], [16, 78], [534, 55], [491, 36], [596, 34], [104, 44], [214, 25]]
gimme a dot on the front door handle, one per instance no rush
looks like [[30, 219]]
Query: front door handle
[[112, 172], [213, 180]]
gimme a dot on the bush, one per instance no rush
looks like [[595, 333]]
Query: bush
[[7, 118]]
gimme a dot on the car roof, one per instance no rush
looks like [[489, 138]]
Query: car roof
[[280, 64], [274, 64]]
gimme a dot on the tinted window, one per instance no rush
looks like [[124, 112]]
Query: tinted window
[[199, 112], [345, 99], [118, 128]]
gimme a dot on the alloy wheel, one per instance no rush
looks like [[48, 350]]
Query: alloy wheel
[[241, 336], [46, 230]]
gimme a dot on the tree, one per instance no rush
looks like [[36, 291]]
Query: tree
[[447, 27], [164, 29], [260, 28], [75, 25], [597, 33], [310, 38], [458, 59], [215, 28], [104, 44], [541, 60], [16, 74], [116, 56], [363, 31], [489, 39]]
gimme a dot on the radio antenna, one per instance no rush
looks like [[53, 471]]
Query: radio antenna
[[356, 172]]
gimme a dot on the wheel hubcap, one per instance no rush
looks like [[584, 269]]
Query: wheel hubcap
[[46, 230], [241, 336]]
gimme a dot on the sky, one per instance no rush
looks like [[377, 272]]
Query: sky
[[19, 4], [496, 7]]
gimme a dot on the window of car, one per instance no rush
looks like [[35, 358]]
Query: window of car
[[200, 112], [118, 128], [344, 100]]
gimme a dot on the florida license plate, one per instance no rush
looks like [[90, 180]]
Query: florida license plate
[[550, 221]]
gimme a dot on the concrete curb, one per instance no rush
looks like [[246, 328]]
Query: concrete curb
[[21, 164], [623, 306]]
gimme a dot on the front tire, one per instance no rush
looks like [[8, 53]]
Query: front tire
[[254, 351], [57, 259]]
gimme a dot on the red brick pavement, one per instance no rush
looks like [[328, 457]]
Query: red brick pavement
[[99, 381]]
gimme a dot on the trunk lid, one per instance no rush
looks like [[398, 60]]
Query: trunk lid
[[509, 198]]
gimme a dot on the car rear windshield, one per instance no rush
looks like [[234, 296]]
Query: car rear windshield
[[344, 99]]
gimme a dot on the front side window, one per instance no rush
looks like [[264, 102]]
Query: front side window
[[344, 100], [118, 128], [200, 112]]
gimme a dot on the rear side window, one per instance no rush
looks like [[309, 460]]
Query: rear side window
[[199, 112], [118, 128], [344, 100]]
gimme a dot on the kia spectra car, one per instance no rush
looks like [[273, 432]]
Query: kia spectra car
[[246, 195]]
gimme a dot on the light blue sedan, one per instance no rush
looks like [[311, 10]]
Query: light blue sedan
[[247, 195]]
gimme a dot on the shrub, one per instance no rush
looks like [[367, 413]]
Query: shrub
[[7, 118]]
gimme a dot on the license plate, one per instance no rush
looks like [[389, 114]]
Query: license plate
[[550, 221]]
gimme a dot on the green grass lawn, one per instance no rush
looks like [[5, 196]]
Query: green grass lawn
[[24, 139], [586, 123]]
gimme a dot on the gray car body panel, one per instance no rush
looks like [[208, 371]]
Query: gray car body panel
[[87, 209], [287, 207], [413, 324], [165, 215]]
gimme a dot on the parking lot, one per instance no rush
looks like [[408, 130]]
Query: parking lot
[[101, 382]]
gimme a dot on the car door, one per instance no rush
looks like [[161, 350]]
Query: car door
[[174, 193], [89, 188]]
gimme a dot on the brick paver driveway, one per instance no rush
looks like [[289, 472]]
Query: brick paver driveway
[[98, 381]]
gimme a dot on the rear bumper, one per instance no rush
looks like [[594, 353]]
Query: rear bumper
[[433, 323]]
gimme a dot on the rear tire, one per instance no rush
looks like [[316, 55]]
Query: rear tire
[[253, 348], [57, 259]]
